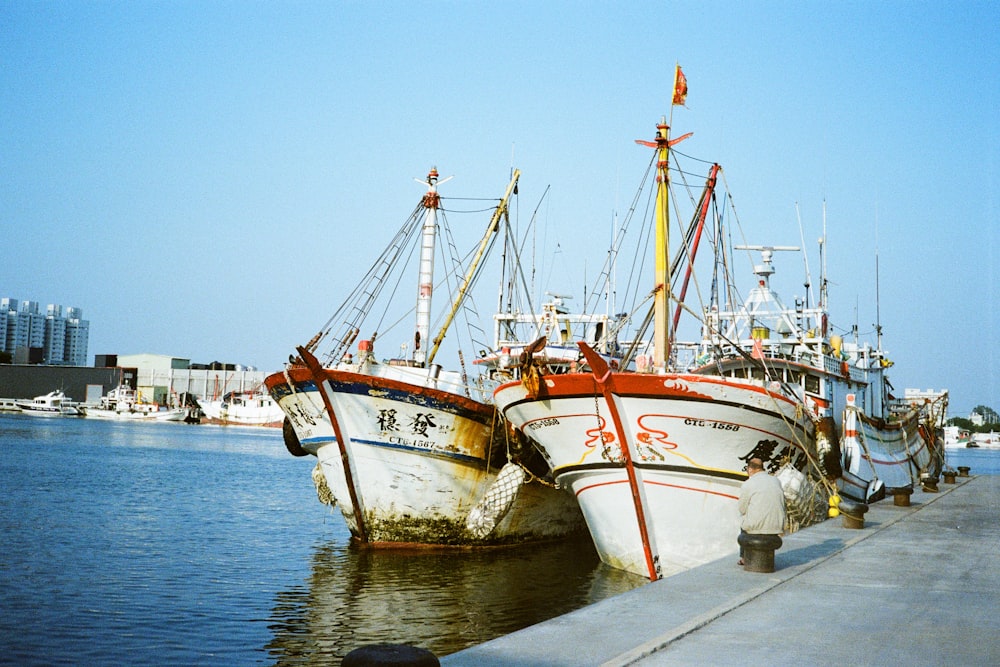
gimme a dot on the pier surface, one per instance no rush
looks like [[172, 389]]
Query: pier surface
[[917, 585]]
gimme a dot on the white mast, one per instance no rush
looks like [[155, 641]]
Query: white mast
[[426, 280]]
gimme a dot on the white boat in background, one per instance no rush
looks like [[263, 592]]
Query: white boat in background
[[123, 403], [955, 437], [52, 404], [411, 452], [989, 440], [242, 408]]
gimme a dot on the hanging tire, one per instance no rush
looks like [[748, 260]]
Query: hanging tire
[[291, 439]]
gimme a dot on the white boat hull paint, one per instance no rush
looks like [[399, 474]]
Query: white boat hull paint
[[689, 438], [249, 412], [168, 415], [418, 461]]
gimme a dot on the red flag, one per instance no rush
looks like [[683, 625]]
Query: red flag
[[680, 87]]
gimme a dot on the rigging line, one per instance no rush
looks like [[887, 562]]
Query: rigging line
[[519, 272], [691, 157], [640, 334], [457, 211], [356, 308], [527, 286], [630, 291], [384, 259]]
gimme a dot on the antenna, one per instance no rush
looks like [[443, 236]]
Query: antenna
[[805, 256], [878, 313], [823, 291]]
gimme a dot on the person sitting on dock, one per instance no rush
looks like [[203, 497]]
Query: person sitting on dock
[[762, 503]]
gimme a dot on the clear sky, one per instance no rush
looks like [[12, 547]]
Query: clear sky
[[206, 179]]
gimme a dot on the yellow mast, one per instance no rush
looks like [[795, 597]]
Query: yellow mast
[[661, 305], [661, 298]]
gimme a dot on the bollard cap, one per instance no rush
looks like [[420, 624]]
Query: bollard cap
[[395, 655]]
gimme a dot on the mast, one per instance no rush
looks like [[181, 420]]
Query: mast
[[661, 282], [661, 303], [661, 277], [470, 275], [425, 282]]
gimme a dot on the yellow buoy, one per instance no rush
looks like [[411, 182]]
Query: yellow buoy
[[834, 512], [834, 501]]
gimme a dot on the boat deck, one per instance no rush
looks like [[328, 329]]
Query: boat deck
[[916, 585]]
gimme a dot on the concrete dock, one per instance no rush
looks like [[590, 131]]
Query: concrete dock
[[917, 585]]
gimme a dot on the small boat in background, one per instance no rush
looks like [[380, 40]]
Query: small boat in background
[[52, 404], [989, 440], [955, 437], [243, 408], [123, 403]]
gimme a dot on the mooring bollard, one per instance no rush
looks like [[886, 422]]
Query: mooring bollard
[[394, 655], [949, 476], [901, 496], [758, 551], [963, 471], [853, 513], [929, 484]]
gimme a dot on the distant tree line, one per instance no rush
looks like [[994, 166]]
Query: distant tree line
[[991, 421]]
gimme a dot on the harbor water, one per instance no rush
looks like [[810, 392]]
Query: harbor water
[[178, 544]]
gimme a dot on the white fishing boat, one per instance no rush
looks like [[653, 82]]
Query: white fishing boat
[[123, 403], [989, 440], [238, 408], [957, 438], [656, 450], [52, 404], [411, 452], [656, 455]]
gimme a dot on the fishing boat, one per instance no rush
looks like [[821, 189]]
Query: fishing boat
[[410, 452], [123, 403], [656, 450], [989, 440], [656, 455], [52, 404], [956, 437], [242, 408], [884, 443]]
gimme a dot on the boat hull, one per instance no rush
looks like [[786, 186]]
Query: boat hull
[[256, 413], [51, 412], [52, 404], [173, 415], [878, 456], [688, 438], [416, 461]]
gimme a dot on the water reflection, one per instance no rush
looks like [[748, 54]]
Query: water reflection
[[440, 600]]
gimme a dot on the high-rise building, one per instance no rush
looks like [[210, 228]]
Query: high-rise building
[[61, 334]]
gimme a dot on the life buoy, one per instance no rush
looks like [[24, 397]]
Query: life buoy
[[291, 439]]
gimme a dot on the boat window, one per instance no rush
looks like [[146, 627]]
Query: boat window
[[792, 377], [812, 384]]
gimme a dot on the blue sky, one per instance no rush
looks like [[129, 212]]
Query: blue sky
[[207, 179]]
